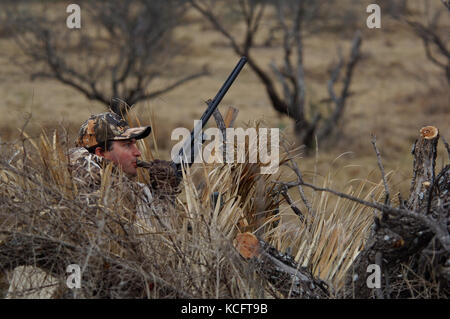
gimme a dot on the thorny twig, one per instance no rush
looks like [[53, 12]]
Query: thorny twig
[[380, 165], [289, 200], [295, 168]]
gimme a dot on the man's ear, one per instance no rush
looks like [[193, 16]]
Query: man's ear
[[99, 151]]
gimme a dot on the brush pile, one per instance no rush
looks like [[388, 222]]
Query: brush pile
[[410, 243], [237, 234]]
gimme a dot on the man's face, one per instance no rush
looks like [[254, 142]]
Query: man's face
[[124, 154]]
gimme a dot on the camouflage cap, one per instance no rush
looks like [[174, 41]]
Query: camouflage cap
[[108, 126]]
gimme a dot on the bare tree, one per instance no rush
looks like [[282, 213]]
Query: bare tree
[[295, 19], [121, 47], [435, 38], [394, 8]]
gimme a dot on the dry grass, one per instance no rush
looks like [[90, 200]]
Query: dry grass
[[397, 91], [188, 250]]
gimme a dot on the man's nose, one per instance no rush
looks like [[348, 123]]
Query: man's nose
[[136, 151]]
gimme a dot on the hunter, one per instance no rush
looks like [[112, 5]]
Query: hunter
[[104, 168], [106, 140]]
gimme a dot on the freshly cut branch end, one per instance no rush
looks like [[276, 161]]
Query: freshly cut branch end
[[429, 132], [247, 245], [426, 184]]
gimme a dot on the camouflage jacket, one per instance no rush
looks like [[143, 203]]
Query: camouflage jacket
[[96, 177]]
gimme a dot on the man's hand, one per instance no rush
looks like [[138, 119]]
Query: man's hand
[[164, 178]]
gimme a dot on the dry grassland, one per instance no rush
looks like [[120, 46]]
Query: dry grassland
[[396, 91]]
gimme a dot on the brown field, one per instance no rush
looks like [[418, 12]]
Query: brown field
[[396, 92]]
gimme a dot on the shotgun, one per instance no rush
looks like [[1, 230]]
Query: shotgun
[[189, 144]]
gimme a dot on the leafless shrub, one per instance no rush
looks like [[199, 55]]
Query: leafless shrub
[[410, 242], [430, 27], [295, 20], [446, 3], [121, 48], [48, 221], [394, 8]]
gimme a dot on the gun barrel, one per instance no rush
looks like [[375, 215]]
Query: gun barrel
[[223, 90], [215, 102]]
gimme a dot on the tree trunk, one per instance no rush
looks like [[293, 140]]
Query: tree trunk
[[424, 151], [408, 252]]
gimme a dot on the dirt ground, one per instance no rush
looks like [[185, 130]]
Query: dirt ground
[[396, 91]]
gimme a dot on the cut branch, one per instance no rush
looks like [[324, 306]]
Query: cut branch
[[281, 270], [425, 152]]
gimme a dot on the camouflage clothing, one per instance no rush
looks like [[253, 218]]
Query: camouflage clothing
[[163, 178], [88, 172], [108, 126]]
